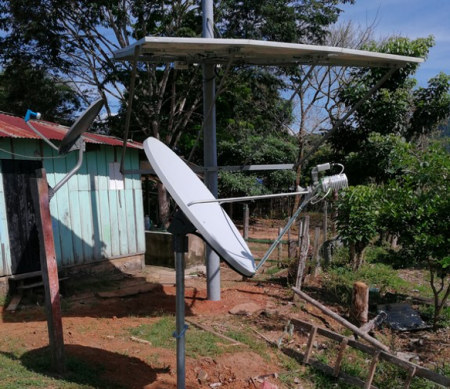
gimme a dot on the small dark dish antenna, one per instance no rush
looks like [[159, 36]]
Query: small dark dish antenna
[[72, 141]]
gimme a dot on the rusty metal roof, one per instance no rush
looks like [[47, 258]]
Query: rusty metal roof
[[15, 127]]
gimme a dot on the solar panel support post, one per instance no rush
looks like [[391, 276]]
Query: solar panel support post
[[180, 227], [210, 147]]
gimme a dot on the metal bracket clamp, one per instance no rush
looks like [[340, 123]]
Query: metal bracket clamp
[[182, 333]]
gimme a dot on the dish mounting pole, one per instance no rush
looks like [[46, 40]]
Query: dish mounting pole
[[180, 227], [210, 147]]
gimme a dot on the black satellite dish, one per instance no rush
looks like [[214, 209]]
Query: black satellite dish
[[81, 125]]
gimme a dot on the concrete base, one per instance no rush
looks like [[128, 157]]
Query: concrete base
[[160, 250]]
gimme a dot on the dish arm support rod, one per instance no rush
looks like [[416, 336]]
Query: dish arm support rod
[[52, 191], [349, 113], [41, 136], [288, 225]]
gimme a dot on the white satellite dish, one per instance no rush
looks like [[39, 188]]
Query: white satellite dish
[[209, 218]]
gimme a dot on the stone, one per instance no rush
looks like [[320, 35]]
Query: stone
[[247, 309], [202, 376]]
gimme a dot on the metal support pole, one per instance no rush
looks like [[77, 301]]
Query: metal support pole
[[179, 243], [210, 148], [180, 227], [49, 268]]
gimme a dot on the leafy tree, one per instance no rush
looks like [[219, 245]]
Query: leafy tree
[[416, 207], [398, 107], [357, 220], [23, 86], [77, 39]]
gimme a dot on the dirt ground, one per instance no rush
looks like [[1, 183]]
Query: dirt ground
[[97, 329]]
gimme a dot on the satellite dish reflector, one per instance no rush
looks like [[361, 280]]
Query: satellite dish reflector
[[80, 126], [209, 218]]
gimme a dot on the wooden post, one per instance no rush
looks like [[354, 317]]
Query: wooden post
[[316, 260], [280, 247], [335, 213], [49, 270], [246, 220], [312, 337], [372, 369], [337, 365], [411, 375], [303, 251], [325, 220], [360, 303]]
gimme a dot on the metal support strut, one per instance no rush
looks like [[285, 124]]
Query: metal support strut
[[180, 227]]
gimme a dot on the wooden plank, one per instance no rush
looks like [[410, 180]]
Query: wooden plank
[[134, 160], [49, 272], [337, 364], [82, 175], [372, 369], [140, 228], [113, 213], [87, 232], [76, 227], [96, 221], [4, 234], [128, 179], [95, 237], [63, 205], [37, 284], [131, 221], [105, 226], [122, 223], [71, 161], [312, 337], [5, 148], [102, 169], [420, 371], [341, 320], [15, 301], [316, 258]]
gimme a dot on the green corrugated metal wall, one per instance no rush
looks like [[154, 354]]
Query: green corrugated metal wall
[[90, 221]]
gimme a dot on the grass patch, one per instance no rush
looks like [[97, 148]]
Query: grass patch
[[33, 370], [198, 343]]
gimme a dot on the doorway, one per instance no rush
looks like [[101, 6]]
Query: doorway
[[21, 215]]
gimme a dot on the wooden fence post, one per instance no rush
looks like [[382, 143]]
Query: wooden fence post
[[360, 302], [246, 220], [280, 246], [303, 251], [316, 259]]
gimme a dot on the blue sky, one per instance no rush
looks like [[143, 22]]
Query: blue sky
[[412, 19]]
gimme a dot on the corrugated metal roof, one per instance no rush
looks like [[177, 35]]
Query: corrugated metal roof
[[15, 127]]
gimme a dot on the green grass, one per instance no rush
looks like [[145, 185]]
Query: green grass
[[33, 370], [198, 343]]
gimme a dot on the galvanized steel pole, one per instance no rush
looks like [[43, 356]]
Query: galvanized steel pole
[[210, 148]]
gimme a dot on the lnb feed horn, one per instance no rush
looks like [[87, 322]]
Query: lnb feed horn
[[336, 182]]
